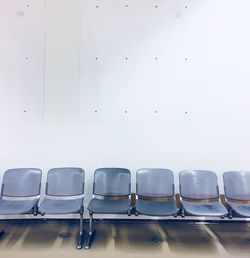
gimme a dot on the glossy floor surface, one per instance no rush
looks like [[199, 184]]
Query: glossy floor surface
[[125, 239]]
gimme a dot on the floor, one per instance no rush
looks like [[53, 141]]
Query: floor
[[123, 239]]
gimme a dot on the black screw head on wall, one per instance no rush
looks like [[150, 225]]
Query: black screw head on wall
[[20, 13]]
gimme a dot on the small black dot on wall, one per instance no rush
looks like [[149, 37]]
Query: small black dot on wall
[[186, 59], [20, 13], [26, 58], [28, 5], [125, 111], [126, 5], [97, 6], [186, 112], [186, 7], [25, 111], [156, 6], [156, 111], [96, 111], [156, 58], [126, 58], [96, 58]]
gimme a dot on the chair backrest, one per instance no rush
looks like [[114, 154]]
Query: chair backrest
[[155, 182], [237, 185], [112, 182], [198, 184], [22, 182], [65, 182]]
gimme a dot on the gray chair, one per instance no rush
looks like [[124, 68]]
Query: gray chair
[[64, 194], [20, 191], [199, 193], [155, 192], [111, 190], [237, 192]]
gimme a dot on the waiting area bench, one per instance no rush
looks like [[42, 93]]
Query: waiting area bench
[[155, 194]]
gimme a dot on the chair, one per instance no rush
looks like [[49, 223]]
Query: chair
[[111, 190], [199, 193], [155, 192], [20, 191], [64, 194], [237, 192]]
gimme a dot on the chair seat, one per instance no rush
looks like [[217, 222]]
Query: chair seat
[[156, 208], [109, 206], [210, 209], [242, 209], [52, 206], [8, 207]]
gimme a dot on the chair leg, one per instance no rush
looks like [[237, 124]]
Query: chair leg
[[182, 212], [81, 237], [91, 233]]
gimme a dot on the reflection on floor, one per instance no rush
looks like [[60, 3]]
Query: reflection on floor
[[116, 239]]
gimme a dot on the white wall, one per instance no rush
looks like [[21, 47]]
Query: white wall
[[62, 107]]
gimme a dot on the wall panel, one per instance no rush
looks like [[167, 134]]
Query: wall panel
[[22, 60]]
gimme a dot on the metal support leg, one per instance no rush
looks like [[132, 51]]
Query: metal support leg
[[230, 213], [81, 237], [182, 212], [35, 211], [91, 233]]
